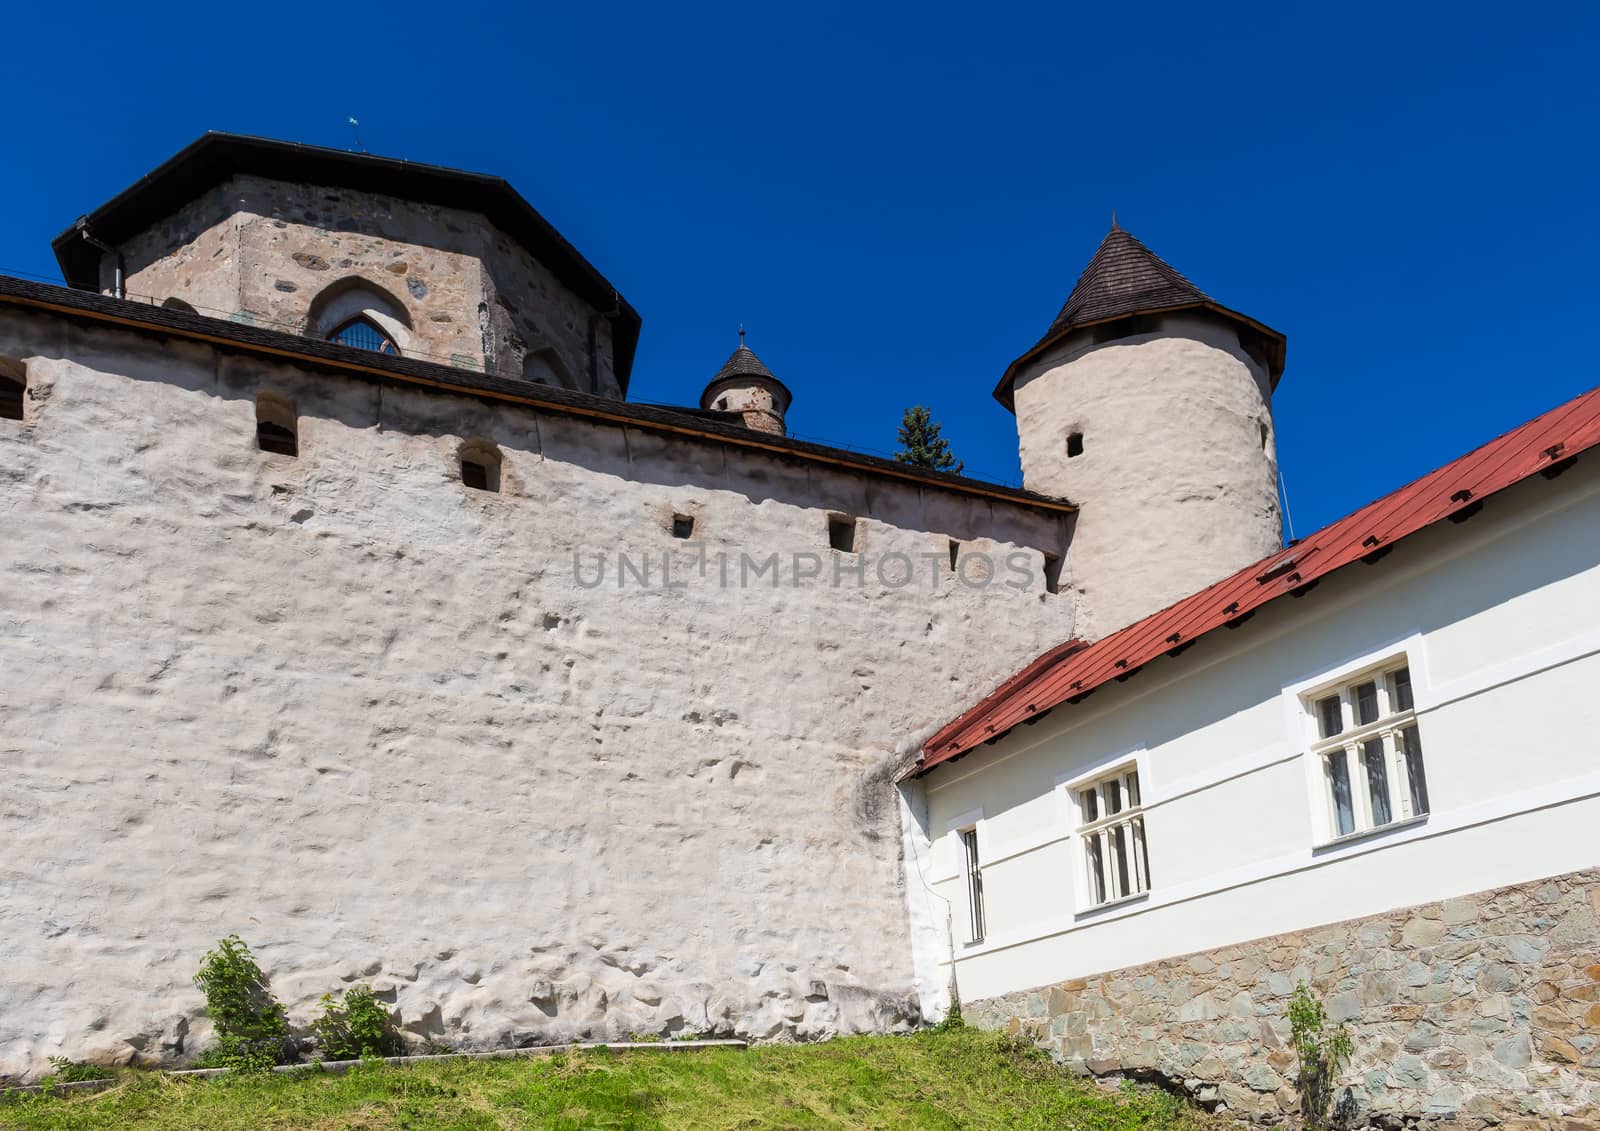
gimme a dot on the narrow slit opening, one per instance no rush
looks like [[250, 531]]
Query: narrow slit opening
[[842, 533]]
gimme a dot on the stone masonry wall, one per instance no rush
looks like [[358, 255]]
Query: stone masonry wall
[[261, 251], [1480, 1010], [374, 721]]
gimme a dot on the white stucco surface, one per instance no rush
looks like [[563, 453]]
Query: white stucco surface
[[1177, 480], [371, 720], [1500, 622]]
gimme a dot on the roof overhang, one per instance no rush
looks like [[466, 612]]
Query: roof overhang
[[1276, 343], [215, 157], [1545, 446], [332, 357]]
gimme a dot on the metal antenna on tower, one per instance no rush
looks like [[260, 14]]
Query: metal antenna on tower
[[355, 128]]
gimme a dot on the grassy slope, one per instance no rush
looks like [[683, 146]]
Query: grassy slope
[[931, 1080]]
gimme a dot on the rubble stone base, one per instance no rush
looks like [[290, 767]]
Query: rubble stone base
[[1478, 1011]]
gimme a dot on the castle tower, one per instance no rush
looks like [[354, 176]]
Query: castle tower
[[1149, 405], [746, 386]]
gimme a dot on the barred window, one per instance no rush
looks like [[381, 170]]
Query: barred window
[[363, 333], [1111, 831], [1371, 752]]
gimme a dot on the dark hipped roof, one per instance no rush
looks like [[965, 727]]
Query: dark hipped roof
[[332, 357], [743, 362], [1124, 278], [215, 157], [1546, 445]]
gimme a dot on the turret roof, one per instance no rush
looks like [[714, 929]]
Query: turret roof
[[743, 364], [1125, 278]]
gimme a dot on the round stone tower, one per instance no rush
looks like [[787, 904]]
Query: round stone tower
[[1149, 405], [745, 386]]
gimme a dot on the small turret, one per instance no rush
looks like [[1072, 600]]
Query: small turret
[[1149, 405], [746, 386]]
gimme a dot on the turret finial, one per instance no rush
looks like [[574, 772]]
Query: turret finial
[[1114, 224], [741, 335]]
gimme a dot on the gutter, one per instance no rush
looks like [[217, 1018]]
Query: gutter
[[118, 290]]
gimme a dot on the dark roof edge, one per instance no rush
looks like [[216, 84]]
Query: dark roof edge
[[426, 374], [1275, 366], [215, 156]]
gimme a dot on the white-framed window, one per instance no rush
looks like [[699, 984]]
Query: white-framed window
[[1110, 831], [1365, 740], [972, 869]]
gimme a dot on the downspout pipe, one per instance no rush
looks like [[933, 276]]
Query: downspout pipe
[[594, 346], [118, 290]]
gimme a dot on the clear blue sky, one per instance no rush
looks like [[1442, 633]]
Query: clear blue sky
[[897, 201]]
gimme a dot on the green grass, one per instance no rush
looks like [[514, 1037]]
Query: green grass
[[931, 1080]]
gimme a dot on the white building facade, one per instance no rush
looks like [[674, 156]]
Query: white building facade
[[1387, 788]]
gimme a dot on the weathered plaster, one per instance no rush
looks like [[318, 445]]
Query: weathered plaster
[[1177, 481], [763, 403], [370, 719]]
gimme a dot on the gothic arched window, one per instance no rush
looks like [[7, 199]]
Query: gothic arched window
[[363, 333]]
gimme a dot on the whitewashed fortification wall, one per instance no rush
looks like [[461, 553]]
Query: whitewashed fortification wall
[[369, 718]]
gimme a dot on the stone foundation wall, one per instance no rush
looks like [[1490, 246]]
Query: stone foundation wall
[[1480, 1010]]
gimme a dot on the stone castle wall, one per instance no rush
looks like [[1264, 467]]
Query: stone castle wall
[[261, 251], [1478, 1010], [375, 721]]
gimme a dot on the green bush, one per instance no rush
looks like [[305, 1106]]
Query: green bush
[[1323, 1054], [355, 1027], [252, 1028], [72, 1072]]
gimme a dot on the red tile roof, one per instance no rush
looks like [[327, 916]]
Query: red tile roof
[[1547, 444]]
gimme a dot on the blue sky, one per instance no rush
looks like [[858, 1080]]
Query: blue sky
[[895, 201]]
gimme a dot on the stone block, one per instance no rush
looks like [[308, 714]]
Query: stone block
[[1526, 949], [1343, 1007], [1410, 1072], [1458, 911], [1497, 977], [1423, 1035], [1445, 1100], [1552, 1047], [1517, 1052], [1419, 932], [1202, 1007], [1261, 1078]]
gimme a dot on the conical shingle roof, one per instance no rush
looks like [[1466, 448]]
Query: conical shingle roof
[[1125, 278], [743, 363], [744, 366]]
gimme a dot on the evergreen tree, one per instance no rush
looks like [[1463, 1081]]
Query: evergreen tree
[[922, 446]]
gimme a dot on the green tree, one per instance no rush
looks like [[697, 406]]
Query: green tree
[[922, 446]]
